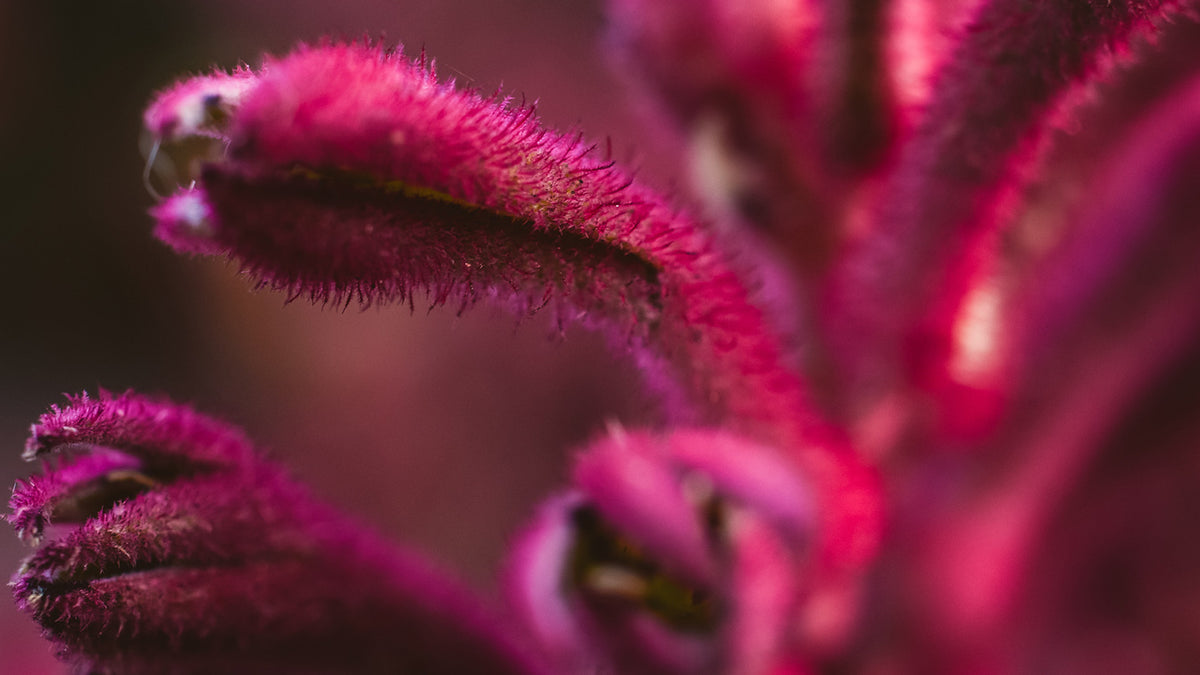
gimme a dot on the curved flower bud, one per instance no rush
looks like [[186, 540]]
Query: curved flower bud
[[353, 173], [679, 554], [189, 553]]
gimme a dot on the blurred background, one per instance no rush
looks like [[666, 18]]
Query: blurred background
[[441, 431]]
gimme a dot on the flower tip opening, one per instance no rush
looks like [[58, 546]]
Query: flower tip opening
[[667, 556], [197, 106], [186, 126]]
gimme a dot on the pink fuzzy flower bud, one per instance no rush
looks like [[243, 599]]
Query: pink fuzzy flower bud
[[353, 174], [683, 554], [186, 552]]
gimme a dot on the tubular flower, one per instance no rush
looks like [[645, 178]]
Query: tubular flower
[[190, 553], [676, 554], [992, 390], [352, 173]]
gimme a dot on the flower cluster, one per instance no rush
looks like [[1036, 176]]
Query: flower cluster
[[916, 419]]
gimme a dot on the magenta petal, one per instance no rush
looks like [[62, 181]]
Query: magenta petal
[[654, 566], [766, 587], [567, 628], [536, 580], [635, 488], [155, 431], [760, 479], [36, 498]]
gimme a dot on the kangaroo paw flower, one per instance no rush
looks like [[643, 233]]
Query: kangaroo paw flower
[[352, 173], [189, 553], [680, 554], [996, 346]]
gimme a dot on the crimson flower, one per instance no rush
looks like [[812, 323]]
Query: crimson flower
[[920, 412]]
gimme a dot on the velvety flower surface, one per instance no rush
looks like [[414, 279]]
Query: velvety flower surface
[[185, 551], [675, 554], [352, 173], [922, 414]]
